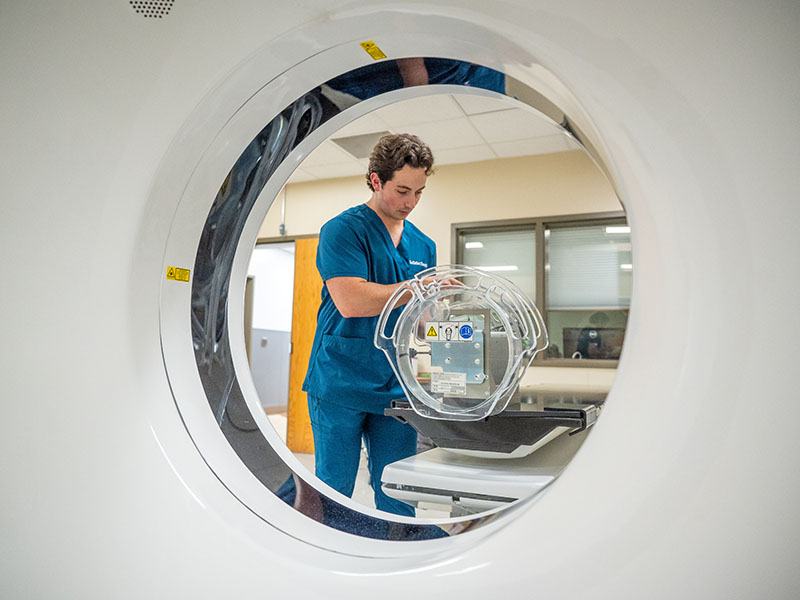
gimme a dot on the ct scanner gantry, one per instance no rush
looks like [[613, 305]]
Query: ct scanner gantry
[[120, 129]]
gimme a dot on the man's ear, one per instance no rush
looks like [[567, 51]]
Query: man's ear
[[375, 180]]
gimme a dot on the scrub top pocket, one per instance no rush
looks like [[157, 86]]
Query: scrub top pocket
[[349, 364]]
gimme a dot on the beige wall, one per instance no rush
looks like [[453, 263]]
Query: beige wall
[[532, 186]]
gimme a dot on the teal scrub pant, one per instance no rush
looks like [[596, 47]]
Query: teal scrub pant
[[338, 432]]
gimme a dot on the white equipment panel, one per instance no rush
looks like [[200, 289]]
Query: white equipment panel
[[470, 482]]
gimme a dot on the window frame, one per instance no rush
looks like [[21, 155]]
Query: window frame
[[539, 225]]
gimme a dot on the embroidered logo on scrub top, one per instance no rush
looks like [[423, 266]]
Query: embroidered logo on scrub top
[[418, 263]]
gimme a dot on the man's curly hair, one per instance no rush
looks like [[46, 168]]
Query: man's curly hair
[[393, 152]]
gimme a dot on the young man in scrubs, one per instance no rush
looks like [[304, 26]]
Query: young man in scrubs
[[364, 255]]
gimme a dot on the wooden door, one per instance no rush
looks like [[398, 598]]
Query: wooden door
[[307, 289]]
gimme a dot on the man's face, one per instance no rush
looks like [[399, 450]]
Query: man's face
[[396, 198]]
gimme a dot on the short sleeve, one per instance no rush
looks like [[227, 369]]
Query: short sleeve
[[342, 252]]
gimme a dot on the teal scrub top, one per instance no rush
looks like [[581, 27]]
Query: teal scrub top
[[345, 367]]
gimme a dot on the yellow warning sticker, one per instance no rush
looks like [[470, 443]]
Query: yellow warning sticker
[[373, 50], [432, 332], [177, 274]]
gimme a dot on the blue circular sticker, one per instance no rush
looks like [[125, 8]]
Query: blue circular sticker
[[465, 331]]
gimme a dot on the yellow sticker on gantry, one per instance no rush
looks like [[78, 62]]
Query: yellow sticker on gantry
[[373, 50], [432, 332], [176, 274]]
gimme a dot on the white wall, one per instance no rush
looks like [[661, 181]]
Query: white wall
[[272, 266]]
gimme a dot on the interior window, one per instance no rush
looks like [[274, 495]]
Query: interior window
[[511, 254], [584, 273], [588, 272]]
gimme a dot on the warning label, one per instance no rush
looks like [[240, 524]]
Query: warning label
[[449, 331], [449, 384], [176, 274], [373, 50]]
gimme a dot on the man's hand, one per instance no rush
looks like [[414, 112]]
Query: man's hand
[[443, 281]]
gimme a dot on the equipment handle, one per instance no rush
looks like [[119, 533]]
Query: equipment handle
[[381, 340]]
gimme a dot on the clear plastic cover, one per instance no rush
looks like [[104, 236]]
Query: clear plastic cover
[[462, 341]]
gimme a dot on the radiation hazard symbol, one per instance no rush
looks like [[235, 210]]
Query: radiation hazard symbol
[[432, 331], [176, 274]]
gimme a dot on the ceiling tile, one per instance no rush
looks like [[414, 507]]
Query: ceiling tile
[[453, 133], [454, 138], [369, 123], [540, 145], [473, 105], [512, 124], [327, 153], [359, 146], [419, 110], [463, 155]]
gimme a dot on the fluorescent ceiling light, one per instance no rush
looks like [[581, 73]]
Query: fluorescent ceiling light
[[471, 245], [618, 229], [626, 267], [500, 268]]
